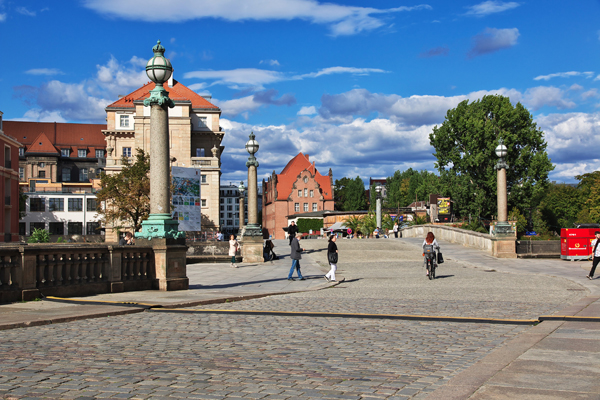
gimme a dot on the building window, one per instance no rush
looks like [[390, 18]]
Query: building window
[[229, 208], [203, 202], [126, 151], [305, 192], [203, 122], [41, 174], [306, 179], [300, 193], [57, 228], [65, 152], [22, 228], [229, 200], [222, 200], [21, 151], [203, 178], [21, 173], [229, 222], [56, 205], [315, 207], [222, 208], [305, 206], [37, 225], [82, 153], [92, 228], [91, 205], [199, 152], [75, 228], [75, 205], [83, 175], [312, 193], [99, 153], [296, 207], [66, 175], [37, 204], [124, 121], [229, 215]]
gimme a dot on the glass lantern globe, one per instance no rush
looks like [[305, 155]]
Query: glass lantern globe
[[252, 144], [378, 189], [501, 151], [242, 189], [159, 68]]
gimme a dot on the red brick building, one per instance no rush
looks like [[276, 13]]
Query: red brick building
[[9, 186], [297, 189]]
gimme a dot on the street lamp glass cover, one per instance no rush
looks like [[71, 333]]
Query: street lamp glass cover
[[242, 189], [378, 189], [501, 151], [252, 145], [159, 68]]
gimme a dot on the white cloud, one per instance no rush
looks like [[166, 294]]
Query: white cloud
[[491, 7], [590, 94], [257, 78], [550, 96], [2, 17], [25, 11], [341, 19], [273, 63], [307, 111], [575, 87], [44, 71], [563, 75], [242, 106], [492, 40]]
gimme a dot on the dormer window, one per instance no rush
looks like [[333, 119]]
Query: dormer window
[[82, 153], [65, 152], [21, 151]]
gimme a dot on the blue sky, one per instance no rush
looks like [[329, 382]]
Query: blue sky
[[358, 85]]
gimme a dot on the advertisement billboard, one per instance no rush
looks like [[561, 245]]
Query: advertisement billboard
[[186, 198]]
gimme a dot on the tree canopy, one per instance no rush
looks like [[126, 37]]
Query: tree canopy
[[126, 194], [465, 150], [405, 187], [350, 194]]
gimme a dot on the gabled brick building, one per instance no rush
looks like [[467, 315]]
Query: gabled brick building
[[297, 189], [9, 186]]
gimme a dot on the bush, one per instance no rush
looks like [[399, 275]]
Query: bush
[[305, 225], [39, 236]]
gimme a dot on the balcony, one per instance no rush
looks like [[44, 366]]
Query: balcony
[[205, 162]]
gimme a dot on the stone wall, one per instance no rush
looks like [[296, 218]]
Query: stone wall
[[482, 241]]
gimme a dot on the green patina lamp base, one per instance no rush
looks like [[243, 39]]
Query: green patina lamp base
[[160, 226]]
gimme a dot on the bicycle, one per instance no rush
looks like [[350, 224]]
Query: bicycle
[[430, 260]]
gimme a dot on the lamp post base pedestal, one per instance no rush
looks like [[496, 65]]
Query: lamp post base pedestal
[[170, 271], [252, 244], [160, 226]]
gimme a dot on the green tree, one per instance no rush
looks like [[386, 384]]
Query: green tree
[[465, 150], [368, 223], [353, 222], [406, 186], [350, 194], [589, 184], [561, 205], [127, 194]]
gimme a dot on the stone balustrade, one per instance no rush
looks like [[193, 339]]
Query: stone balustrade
[[482, 241], [35, 270]]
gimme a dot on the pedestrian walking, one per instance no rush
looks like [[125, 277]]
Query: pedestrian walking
[[595, 254], [396, 230], [332, 257], [233, 249], [292, 230], [296, 256]]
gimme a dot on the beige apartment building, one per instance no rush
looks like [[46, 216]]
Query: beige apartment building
[[194, 136]]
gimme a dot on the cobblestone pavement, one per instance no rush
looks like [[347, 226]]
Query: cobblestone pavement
[[157, 355]]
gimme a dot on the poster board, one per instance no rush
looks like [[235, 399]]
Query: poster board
[[186, 198]]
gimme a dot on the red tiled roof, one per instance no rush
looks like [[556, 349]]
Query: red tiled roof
[[60, 135], [178, 92], [41, 144], [289, 174]]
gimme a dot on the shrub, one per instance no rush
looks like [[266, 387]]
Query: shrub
[[305, 225], [39, 236]]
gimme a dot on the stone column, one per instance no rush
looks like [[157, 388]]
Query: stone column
[[159, 160], [502, 196], [242, 212], [252, 196]]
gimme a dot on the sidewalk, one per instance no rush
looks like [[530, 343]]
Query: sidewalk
[[209, 283]]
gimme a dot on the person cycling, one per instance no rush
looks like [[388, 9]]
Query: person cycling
[[430, 241]]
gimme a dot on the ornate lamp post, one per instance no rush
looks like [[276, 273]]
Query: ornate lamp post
[[242, 190], [252, 239], [160, 230], [502, 227], [378, 190], [159, 224]]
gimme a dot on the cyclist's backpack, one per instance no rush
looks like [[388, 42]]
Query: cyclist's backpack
[[428, 251]]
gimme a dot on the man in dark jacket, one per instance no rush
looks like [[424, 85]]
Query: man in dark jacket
[[296, 256], [292, 230]]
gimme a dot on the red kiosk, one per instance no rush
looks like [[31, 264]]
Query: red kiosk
[[575, 243]]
